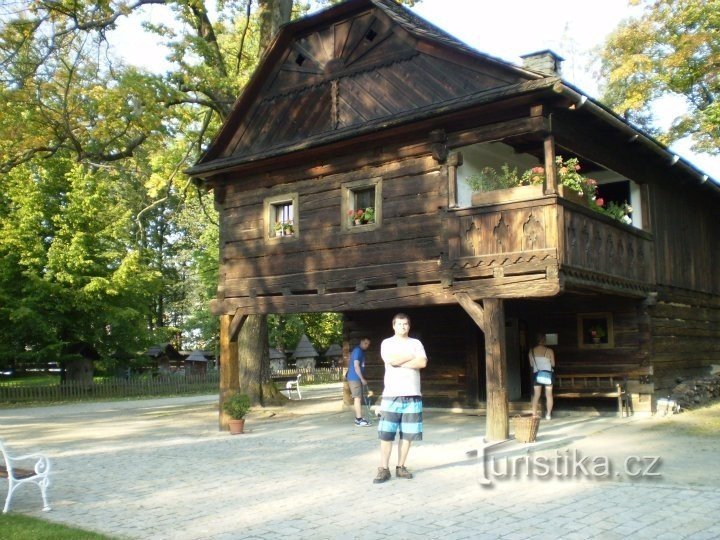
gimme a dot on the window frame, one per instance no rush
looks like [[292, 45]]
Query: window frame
[[585, 321], [270, 205], [347, 203]]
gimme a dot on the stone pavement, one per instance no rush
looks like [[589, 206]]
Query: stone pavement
[[160, 469]]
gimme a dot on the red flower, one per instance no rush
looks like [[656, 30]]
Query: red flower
[[600, 201]]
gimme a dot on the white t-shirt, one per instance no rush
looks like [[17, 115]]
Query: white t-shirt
[[401, 381]]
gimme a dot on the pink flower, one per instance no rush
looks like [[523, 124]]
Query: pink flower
[[538, 170], [591, 182], [351, 212], [600, 201]]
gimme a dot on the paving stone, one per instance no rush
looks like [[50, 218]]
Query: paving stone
[[159, 469]]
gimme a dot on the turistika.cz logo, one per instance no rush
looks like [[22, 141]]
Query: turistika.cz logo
[[564, 464]]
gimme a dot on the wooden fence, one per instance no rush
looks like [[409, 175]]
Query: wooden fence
[[16, 392]]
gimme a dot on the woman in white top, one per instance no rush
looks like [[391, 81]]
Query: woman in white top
[[542, 358]]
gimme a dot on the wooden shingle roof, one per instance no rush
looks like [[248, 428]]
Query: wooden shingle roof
[[356, 67]]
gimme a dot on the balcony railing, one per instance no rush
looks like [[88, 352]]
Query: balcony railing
[[521, 230]]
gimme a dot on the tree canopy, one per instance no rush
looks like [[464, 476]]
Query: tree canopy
[[673, 49], [106, 247]]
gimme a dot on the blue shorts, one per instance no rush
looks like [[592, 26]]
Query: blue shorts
[[402, 414]]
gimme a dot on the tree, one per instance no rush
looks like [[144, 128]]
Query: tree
[[66, 99], [673, 49]]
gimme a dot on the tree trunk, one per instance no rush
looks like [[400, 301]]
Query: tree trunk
[[254, 363], [272, 14]]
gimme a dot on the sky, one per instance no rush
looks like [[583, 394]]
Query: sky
[[506, 29]]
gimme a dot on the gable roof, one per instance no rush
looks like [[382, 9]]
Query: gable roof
[[356, 67], [363, 66]]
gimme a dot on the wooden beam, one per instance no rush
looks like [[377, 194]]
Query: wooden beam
[[472, 308], [497, 426], [237, 323], [433, 294], [229, 368]]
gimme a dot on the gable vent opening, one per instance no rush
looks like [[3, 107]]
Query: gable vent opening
[[371, 35], [300, 60]]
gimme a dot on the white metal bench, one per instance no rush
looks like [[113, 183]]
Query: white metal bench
[[294, 384], [17, 476]]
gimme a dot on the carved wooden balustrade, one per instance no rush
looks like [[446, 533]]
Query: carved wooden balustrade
[[521, 232]]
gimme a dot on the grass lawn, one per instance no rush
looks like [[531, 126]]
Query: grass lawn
[[702, 422], [19, 527]]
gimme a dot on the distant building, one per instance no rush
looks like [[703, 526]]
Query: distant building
[[305, 354]]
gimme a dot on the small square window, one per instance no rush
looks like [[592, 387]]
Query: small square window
[[281, 216], [595, 330], [361, 205]]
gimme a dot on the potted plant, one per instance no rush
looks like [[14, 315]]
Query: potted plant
[[597, 332], [362, 216], [236, 407], [284, 228]]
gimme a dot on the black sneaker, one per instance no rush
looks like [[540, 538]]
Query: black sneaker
[[383, 475], [402, 472], [361, 422]]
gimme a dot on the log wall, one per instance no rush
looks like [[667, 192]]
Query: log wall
[[686, 336], [687, 239], [323, 258]]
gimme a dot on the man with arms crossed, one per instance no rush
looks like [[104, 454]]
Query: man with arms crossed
[[401, 407]]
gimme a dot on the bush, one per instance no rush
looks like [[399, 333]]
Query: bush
[[237, 406]]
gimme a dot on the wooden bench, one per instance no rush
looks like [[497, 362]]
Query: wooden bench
[[17, 476], [594, 385]]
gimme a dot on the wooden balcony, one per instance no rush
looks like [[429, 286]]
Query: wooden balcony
[[543, 239]]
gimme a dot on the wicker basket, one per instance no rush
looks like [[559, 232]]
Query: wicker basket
[[525, 428]]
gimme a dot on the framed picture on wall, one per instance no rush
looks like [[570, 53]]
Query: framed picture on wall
[[595, 330]]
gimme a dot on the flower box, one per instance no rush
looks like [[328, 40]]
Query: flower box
[[522, 193]]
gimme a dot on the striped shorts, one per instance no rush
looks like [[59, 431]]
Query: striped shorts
[[402, 414]]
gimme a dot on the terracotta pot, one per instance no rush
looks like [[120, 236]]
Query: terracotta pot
[[236, 426]]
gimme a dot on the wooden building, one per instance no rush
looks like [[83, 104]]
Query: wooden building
[[345, 159]]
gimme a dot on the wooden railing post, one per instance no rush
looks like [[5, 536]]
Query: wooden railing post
[[551, 183]]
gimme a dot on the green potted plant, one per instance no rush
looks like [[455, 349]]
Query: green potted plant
[[597, 332], [236, 407], [362, 216]]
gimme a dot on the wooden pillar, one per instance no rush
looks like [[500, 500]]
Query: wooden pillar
[[229, 369], [455, 160], [551, 183], [497, 427]]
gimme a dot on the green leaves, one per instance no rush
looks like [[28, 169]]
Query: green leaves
[[673, 50]]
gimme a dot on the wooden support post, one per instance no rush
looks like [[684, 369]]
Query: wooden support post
[[497, 426], [229, 368], [455, 160], [551, 184]]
